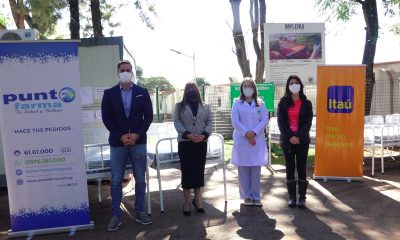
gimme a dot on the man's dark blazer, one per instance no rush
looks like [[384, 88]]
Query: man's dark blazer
[[113, 114]]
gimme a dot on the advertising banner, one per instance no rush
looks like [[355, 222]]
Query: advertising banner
[[41, 126], [293, 48], [339, 143], [265, 92]]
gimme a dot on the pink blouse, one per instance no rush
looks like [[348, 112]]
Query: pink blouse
[[293, 114]]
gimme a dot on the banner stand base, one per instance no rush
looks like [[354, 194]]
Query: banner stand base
[[70, 229], [347, 179]]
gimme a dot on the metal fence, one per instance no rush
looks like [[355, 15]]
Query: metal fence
[[385, 100]]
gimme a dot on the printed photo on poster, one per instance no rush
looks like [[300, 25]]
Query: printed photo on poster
[[295, 46]]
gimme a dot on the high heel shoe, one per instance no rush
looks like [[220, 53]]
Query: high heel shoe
[[198, 210], [186, 213]]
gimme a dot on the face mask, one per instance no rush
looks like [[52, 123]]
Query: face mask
[[294, 88], [125, 77], [191, 95], [248, 92]]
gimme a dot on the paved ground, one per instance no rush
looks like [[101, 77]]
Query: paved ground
[[336, 210]]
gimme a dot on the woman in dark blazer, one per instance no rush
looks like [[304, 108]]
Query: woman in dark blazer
[[294, 120], [192, 120]]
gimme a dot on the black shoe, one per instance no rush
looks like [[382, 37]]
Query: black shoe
[[186, 213], [198, 210], [302, 204], [292, 203]]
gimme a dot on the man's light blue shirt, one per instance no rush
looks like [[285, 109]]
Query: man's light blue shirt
[[126, 98]]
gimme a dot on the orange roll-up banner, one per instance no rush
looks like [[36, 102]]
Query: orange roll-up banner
[[339, 142]]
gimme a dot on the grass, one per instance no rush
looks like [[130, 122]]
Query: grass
[[278, 158], [276, 153]]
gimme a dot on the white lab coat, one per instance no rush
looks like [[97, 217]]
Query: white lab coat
[[247, 117]]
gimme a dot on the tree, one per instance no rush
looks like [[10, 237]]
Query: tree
[[238, 38], [18, 13], [107, 11], [96, 18], [74, 26], [396, 29], [257, 19], [100, 9], [144, 14], [3, 22], [139, 72], [153, 82], [343, 10], [201, 81], [43, 15]]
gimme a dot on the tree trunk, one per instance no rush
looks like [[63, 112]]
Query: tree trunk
[[371, 38], [238, 38], [17, 10], [2, 27], [257, 18], [74, 26], [96, 18]]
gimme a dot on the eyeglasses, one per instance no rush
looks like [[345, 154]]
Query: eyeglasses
[[125, 70]]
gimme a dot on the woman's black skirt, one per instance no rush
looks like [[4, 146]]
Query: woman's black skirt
[[193, 160]]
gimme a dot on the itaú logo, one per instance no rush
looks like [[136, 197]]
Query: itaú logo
[[340, 99]]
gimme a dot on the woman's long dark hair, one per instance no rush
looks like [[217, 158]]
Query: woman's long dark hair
[[188, 87], [288, 95], [255, 94]]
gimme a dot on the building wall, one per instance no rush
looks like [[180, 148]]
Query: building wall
[[386, 95]]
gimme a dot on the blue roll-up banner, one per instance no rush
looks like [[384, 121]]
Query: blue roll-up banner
[[41, 126]]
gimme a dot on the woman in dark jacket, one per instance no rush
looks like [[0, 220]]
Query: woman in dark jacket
[[294, 121], [193, 122]]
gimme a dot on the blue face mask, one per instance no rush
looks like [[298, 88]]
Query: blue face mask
[[191, 95]]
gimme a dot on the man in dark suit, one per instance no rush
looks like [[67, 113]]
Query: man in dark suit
[[127, 114]]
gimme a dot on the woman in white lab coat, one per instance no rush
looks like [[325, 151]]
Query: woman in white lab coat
[[249, 153]]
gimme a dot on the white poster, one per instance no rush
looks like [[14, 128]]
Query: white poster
[[86, 95], [41, 126], [293, 48], [98, 93]]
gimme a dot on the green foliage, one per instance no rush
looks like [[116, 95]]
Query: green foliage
[[339, 9], [107, 12], [344, 9], [201, 81], [144, 14], [151, 83], [139, 72], [309, 39], [228, 145], [277, 156], [3, 20], [44, 15], [395, 29]]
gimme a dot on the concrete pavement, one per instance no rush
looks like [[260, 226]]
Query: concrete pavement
[[336, 210]]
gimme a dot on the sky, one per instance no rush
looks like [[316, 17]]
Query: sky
[[203, 28]]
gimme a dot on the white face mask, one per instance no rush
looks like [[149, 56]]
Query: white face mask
[[294, 88], [248, 92], [125, 77]]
